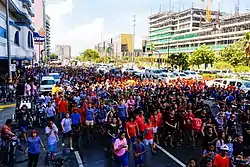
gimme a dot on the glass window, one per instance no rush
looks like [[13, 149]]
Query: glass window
[[56, 76], [232, 83], [48, 82], [16, 38], [3, 32]]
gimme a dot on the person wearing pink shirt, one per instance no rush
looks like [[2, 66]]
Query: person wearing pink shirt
[[120, 150]]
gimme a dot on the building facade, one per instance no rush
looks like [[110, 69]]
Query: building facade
[[20, 31], [63, 52], [118, 46], [47, 39], [40, 25], [187, 30]]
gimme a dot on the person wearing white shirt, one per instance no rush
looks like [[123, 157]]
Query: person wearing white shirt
[[67, 130], [52, 133]]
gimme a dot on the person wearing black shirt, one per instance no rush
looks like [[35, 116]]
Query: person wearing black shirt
[[231, 126], [112, 133], [238, 146], [209, 138], [246, 132], [171, 126]]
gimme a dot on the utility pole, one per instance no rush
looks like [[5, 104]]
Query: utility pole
[[8, 38], [133, 39]]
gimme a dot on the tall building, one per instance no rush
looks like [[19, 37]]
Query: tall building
[[63, 52], [40, 28], [120, 45], [47, 39], [20, 32], [185, 31]]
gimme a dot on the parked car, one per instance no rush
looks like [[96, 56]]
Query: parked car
[[168, 77], [193, 75], [181, 75]]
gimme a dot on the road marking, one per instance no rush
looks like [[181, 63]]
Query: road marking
[[171, 156], [78, 158], [7, 105]]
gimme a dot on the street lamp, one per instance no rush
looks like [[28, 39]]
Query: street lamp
[[133, 40], [8, 38]]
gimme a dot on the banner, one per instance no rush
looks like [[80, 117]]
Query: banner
[[38, 38]]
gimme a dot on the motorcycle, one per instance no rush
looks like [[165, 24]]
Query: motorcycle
[[9, 154], [41, 116]]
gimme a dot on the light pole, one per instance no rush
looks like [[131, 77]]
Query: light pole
[[8, 37], [159, 59], [133, 39]]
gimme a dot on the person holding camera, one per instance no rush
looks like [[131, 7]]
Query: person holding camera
[[52, 133], [120, 150], [222, 160], [33, 144]]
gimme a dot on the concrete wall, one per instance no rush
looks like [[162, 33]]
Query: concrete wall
[[39, 22], [17, 51], [63, 51]]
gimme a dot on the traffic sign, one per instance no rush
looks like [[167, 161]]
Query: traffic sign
[[13, 67], [42, 32]]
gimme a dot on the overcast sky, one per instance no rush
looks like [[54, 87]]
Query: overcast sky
[[80, 23]]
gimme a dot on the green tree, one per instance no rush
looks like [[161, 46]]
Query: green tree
[[89, 55], [221, 65], [203, 55], [178, 59], [246, 44], [241, 68], [53, 56], [234, 54]]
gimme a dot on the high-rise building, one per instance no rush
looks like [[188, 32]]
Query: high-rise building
[[40, 29], [185, 31], [47, 39], [120, 45], [20, 32], [63, 52]]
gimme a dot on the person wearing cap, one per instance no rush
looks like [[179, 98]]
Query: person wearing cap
[[222, 160], [33, 144]]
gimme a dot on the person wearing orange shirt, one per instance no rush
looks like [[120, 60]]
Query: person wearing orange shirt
[[132, 130], [140, 120], [222, 160], [63, 107], [148, 135]]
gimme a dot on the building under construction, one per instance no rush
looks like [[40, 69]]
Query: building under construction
[[185, 31]]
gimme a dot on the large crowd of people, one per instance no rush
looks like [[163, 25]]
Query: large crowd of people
[[135, 113]]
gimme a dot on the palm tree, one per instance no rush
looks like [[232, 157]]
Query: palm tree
[[246, 41]]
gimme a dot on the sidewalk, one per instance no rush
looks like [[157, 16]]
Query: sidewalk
[[7, 105], [69, 157]]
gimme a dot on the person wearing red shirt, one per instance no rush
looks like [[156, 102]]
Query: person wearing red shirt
[[222, 160], [63, 107], [140, 120], [188, 118], [132, 130], [149, 136]]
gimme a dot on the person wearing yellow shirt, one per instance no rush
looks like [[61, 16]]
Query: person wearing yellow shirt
[[55, 89]]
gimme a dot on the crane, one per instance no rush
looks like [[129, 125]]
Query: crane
[[208, 11]]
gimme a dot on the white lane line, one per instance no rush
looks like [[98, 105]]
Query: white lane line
[[171, 156], [78, 158]]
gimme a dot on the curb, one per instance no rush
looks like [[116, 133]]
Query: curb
[[7, 105]]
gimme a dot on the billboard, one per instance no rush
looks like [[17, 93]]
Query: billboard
[[38, 38]]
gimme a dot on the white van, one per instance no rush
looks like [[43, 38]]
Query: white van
[[56, 76], [242, 84], [47, 83]]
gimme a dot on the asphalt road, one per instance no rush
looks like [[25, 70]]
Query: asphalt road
[[93, 155], [22, 160]]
